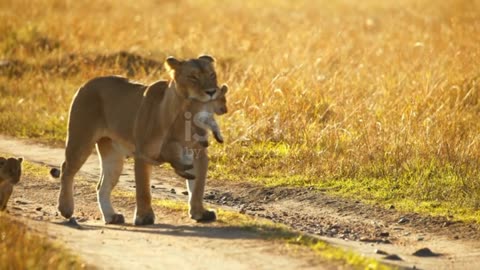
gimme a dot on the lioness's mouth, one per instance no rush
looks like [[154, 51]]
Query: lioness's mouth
[[211, 91]]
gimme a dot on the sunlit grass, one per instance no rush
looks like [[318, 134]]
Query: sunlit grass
[[23, 249], [378, 99]]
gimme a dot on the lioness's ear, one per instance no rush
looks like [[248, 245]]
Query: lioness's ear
[[20, 160], [207, 57], [172, 63]]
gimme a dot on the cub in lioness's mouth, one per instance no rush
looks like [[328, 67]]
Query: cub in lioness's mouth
[[106, 112], [178, 152]]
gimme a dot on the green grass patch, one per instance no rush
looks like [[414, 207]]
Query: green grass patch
[[427, 187]]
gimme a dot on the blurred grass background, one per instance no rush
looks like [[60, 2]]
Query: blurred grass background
[[377, 100]]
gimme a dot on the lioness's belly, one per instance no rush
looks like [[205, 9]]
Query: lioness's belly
[[125, 149]]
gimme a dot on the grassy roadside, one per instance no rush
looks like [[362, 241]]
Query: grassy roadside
[[377, 101], [434, 189], [24, 249], [21, 248], [277, 232]]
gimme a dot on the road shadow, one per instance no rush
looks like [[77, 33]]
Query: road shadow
[[205, 230]]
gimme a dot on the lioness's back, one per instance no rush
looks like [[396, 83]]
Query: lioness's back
[[110, 87], [106, 104]]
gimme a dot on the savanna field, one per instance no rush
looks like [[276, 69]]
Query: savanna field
[[374, 100]]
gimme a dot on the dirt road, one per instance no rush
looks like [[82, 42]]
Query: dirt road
[[176, 241]]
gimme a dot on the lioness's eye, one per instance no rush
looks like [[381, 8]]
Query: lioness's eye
[[193, 78], [213, 75]]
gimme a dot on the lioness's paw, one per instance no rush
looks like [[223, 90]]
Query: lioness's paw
[[185, 174], [65, 212], [185, 167], [65, 206], [208, 216], [148, 219], [116, 219]]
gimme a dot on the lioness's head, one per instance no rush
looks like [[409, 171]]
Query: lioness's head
[[194, 78]]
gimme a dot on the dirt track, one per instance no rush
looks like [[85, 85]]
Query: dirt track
[[350, 224], [174, 242]]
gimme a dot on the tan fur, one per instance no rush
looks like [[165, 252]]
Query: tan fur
[[113, 113], [10, 173]]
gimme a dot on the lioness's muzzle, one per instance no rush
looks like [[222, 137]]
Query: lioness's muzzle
[[211, 91]]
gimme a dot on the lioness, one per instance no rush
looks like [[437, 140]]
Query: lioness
[[193, 143], [103, 113], [10, 172]]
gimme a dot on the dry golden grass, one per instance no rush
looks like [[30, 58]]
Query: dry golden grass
[[23, 249], [375, 98]]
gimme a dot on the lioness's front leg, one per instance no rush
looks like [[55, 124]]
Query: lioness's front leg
[[143, 212], [196, 189]]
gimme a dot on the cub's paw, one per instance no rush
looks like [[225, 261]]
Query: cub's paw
[[218, 137], [116, 219], [203, 143], [207, 216], [148, 219]]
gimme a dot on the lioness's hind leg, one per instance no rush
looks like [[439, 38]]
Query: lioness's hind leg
[[112, 166], [76, 153]]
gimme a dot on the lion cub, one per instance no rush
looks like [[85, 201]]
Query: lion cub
[[10, 172], [176, 151]]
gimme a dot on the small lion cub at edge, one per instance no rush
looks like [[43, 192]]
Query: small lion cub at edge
[[10, 172]]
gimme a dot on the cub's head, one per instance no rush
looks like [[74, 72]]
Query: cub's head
[[220, 103], [10, 169], [194, 78]]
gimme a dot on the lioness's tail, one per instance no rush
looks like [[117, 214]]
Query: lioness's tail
[[55, 173]]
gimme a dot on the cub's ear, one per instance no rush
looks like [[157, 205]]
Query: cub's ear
[[207, 58], [224, 89], [172, 63]]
